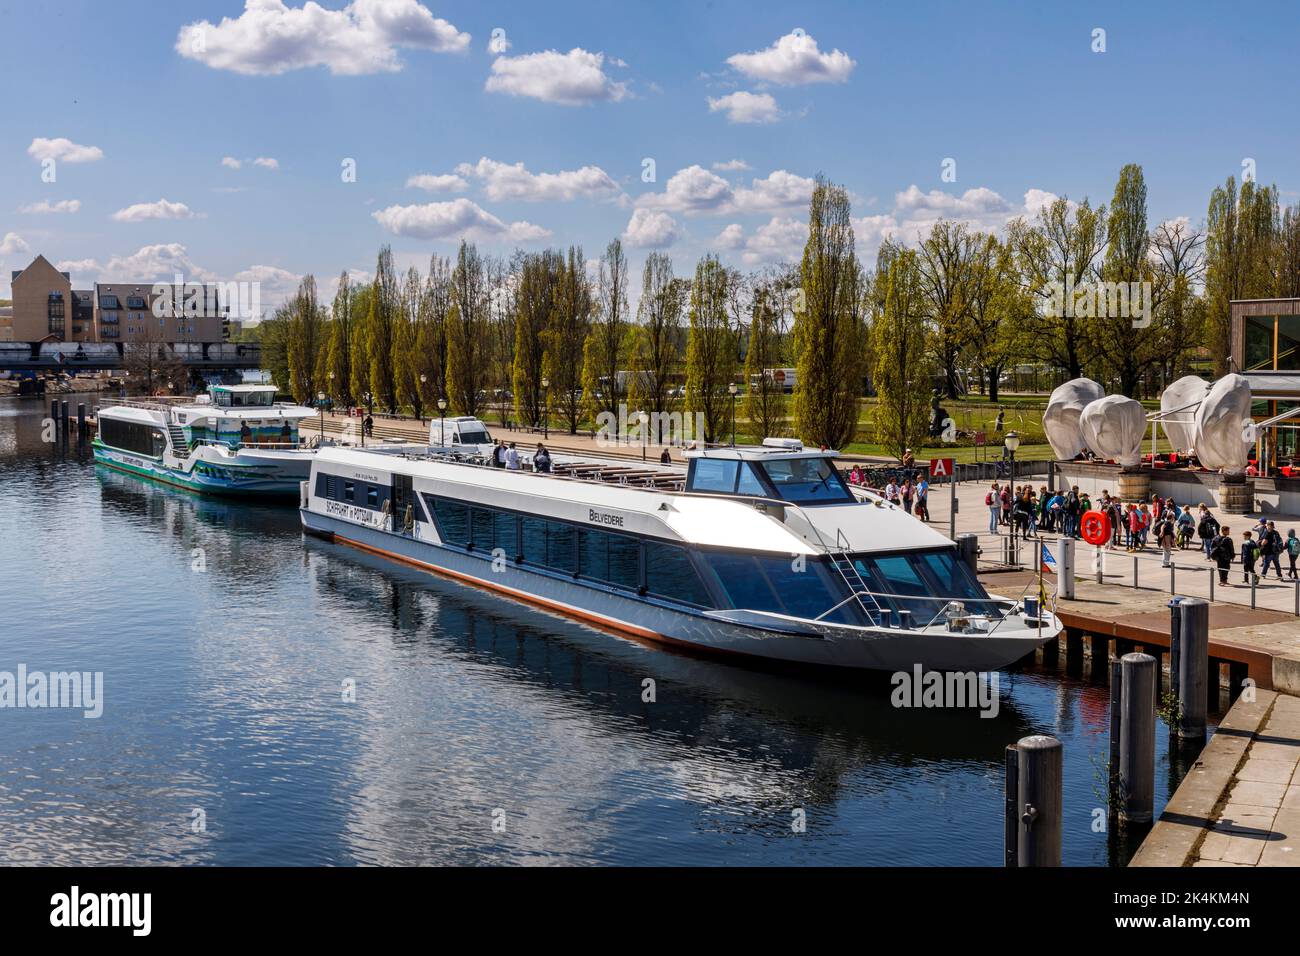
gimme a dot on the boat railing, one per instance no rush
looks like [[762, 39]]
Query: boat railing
[[1007, 606], [272, 445], [146, 404]]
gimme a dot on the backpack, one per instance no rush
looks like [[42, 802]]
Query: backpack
[[988, 499], [1293, 546]]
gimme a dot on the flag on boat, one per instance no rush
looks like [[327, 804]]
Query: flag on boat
[[1047, 562]]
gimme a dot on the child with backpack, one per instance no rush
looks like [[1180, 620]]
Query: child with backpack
[[1249, 552]]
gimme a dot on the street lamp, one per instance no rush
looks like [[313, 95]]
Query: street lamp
[[733, 388], [1012, 442], [546, 409], [320, 410], [442, 427], [423, 381], [644, 419]]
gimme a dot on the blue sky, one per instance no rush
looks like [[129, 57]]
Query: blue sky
[[875, 96]]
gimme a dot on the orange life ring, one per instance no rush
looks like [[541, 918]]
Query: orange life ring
[[1095, 527]]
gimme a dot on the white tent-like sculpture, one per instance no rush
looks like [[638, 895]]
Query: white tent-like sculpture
[[1113, 427], [1061, 420], [1178, 404], [1224, 432]]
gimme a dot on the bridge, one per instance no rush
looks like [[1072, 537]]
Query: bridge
[[113, 356]]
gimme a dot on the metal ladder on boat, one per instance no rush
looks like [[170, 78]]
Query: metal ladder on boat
[[180, 445], [848, 572]]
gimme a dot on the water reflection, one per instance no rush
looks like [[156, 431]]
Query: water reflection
[[228, 692]]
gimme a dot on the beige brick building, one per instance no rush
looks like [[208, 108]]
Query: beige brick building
[[47, 308]]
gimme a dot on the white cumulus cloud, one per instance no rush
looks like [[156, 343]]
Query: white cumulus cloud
[[266, 162], [46, 208], [156, 263], [743, 107], [162, 209], [651, 230], [13, 243], [230, 162], [437, 183], [504, 181], [453, 220], [792, 60], [63, 150], [270, 37], [695, 191], [575, 78]]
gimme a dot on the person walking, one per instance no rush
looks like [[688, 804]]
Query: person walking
[[1186, 526], [1005, 500], [1222, 551], [993, 501], [1249, 551], [512, 457], [1292, 550], [1166, 538], [1207, 529], [1271, 549], [923, 499], [906, 492]]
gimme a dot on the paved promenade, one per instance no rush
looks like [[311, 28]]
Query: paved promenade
[[1240, 804]]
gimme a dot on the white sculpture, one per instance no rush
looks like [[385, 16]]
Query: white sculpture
[[1224, 433], [1061, 420], [1179, 402], [1113, 427]]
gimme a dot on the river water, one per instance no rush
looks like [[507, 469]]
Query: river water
[[272, 699]]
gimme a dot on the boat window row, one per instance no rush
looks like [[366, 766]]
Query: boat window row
[[810, 480], [359, 493], [132, 436], [623, 561]]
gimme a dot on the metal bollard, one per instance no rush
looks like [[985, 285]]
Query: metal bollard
[[1035, 816], [1193, 666], [1137, 738], [1135, 572], [968, 546]]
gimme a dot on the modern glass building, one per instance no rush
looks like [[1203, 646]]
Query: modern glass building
[[1266, 349]]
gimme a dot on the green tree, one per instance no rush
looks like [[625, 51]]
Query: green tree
[[406, 357], [468, 343], [828, 333], [305, 339], [338, 350], [603, 351], [902, 366], [362, 297], [1059, 251], [385, 313], [658, 339], [563, 360], [764, 395], [946, 260], [1128, 346], [1241, 234], [541, 277], [710, 349]]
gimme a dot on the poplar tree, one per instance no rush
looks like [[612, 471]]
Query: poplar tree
[[603, 349], [765, 396], [1241, 233], [902, 368], [658, 339], [304, 340], [710, 349], [338, 362], [385, 305], [467, 334], [564, 341], [541, 276], [828, 328]]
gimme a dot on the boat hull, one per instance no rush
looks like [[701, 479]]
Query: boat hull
[[241, 475], [658, 621]]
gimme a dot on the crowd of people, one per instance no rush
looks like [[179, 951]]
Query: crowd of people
[[1160, 523], [910, 490]]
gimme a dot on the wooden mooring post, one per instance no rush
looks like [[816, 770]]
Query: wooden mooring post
[[1034, 771], [1193, 667], [1137, 737]]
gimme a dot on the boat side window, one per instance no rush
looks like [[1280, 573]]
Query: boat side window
[[776, 584], [372, 496], [349, 491], [452, 519], [534, 543], [670, 574], [132, 436], [714, 474], [614, 558], [505, 526], [480, 529], [561, 546]]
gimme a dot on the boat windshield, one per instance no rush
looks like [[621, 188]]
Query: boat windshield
[[922, 582], [806, 480], [477, 437], [225, 398]]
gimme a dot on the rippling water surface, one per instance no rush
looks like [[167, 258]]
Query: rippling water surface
[[226, 638]]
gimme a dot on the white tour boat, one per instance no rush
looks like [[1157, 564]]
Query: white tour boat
[[759, 551], [236, 439]]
